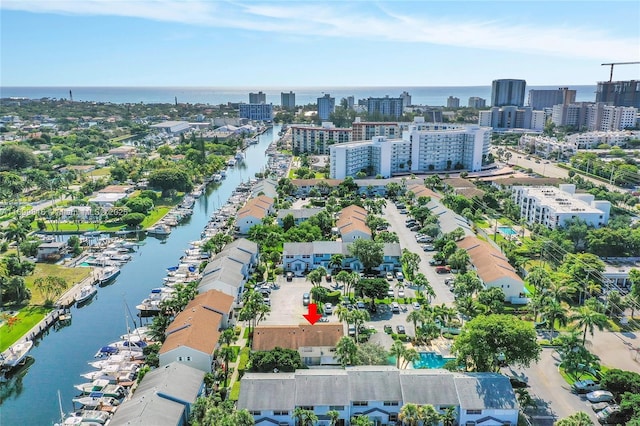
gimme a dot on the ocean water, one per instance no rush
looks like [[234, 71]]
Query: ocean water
[[425, 95]]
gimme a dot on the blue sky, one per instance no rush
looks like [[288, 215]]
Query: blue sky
[[314, 43]]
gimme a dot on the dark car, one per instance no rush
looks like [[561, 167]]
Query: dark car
[[443, 269], [518, 382], [400, 329], [289, 276]]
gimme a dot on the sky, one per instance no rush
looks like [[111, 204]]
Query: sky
[[287, 43]]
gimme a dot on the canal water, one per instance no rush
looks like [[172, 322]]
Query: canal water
[[31, 397]]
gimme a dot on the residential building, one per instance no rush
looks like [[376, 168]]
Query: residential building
[[317, 139], [288, 100], [508, 117], [477, 102], [588, 140], [378, 392], [425, 147], [385, 107], [299, 215], [123, 152], [266, 186], [324, 186], [257, 98], [326, 106], [301, 258], [570, 115], [506, 92], [352, 224], [554, 207], [51, 250], [315, 343], [453, 102], [540, 99], [406, 99], [256, 112], [604, 117], [192, 336], [366, 130], [253, 212], [164, 397], [83, 213], [547, 147], [493, 269], [619, 93]]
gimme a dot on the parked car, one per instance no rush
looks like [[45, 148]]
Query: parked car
[[289, 276], [423, 239], [388, 329], [415, 228], [328, 278], [395, 308], [518, 382], [449, 281], [305, 299], [611, 415], [600, 396], [328, 308], [361, 305], [399, 276], [435, 262], [443, 269], [416, 305], [403, 211], [428, 247], [400, 329], [599, 406], [390, 293], [400, 292], [389, 276], [585, 386], [352, 330]]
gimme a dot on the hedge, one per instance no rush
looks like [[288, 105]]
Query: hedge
[[244, 359], [234, 395]]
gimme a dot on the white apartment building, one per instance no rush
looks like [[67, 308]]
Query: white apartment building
[[553, 207], [316, 140], [547, 147], [424, 147], [593, 139], [594, 116]]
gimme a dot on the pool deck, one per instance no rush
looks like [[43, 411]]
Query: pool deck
[[440, 346]]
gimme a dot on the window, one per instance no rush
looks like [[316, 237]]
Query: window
[[336, 407], [360, 403], [393, 417], [280, 413], [306, 407], [255, 413], [474, 411], [390, 403]]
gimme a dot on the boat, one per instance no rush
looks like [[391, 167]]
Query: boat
[[83, 417], [15, 355], [231, 162], [96, 400], [223, 173], [239, 156], [104, 386], [108, 274], [86, 293], [217, 177], [159, 229]]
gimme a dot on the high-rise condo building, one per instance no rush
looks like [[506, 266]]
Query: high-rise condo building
[[508, 92], [540, 99], [476, 102], [326, 106], [385, 107], [619, 93], [406, 99], [453, 102], [257, 112], [257, 98], [288, 100]]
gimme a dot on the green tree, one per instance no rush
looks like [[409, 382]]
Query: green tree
[[361, 420], [170, 179], [304, 417], [368, 252], [334, 416], [486, 338], [492, 299], [315, 276], [288, 222], [410, 261], [14, 290], [555, 313], [409, 414], [588, 319], [346, 350], [398, 349], [16, 157], [374, 288], [16, 232], [578, 419], [429, 415], [133, 219]]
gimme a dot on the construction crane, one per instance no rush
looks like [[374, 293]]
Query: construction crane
[[617, 63]]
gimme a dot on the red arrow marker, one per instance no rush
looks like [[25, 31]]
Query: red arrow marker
[[313, 316]]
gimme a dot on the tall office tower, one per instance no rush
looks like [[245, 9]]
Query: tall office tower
[[541, 99], [326, 105], [257, 98], [476, 102], [385, 106], [406, 99], [351, 100], [453, 102], [508, 92], [619, 93], [288, 100]]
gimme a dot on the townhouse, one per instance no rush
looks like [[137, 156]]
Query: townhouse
[[352, 224], [253, 212]]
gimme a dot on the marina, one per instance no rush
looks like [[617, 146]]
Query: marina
[[60, 355]]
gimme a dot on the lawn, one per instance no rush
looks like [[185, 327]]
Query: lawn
[[482, 223], [27, 318], [154, 216], [104, 171], [71, 275]]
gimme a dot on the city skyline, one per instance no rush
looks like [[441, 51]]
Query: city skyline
[[202, 43]]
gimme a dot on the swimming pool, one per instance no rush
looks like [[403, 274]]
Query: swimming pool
[[507, 230], [431, 360]]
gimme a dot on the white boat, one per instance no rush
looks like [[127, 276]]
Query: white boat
[[231, 162], [15, 355], [223, 173], [87, 416], [86, 293], [108, 274], [159, 230], [102, 385], [96, 400], [217, 177], [239, 156]]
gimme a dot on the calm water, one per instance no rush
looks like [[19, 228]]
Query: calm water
[[61, 356], [434, 96]]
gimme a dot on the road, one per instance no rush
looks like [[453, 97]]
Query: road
[[408, 241]]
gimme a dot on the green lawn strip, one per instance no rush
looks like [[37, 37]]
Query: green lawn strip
[[234, 395], [104, 171], [236, 351], [71, 275], [27, 318], [154, 216], [482, 224]]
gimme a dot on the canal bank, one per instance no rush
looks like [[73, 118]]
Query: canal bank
[[62, 353]]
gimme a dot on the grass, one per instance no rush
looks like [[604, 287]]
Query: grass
[[27, 318], [70, 275], [482, 223], [236, 351], [121, 138], [104, 171], [245, 333], [154, 216], [235, 391]]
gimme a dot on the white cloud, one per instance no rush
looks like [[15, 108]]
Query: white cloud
[[355, 20]]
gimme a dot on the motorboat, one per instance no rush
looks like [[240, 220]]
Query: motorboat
[[159, 229], [103, 386], [217, 177], [86, 293], [231, 162], [15, 355], [96, 400], [108, 274], [87, 416]]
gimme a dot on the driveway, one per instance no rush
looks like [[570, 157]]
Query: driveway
[[408, 241]]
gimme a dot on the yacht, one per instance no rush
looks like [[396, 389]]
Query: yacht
[[159, 229], [108, 274], [15, 355], [86, 293]]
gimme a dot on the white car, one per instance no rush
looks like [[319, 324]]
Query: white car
[[328, 308], [600, 396], [400, 292]]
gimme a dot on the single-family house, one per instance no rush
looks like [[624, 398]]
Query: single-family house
[[315, 343], [494, 268], [299, 215], [253, 212], [352, 224], [192, 336], [301, 258], [164, 397], [123, 152], [51, 251], [378, 392]]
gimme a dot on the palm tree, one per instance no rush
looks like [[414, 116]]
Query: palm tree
[[361, 420], [333, 417], [358, 317], [398, 350], [588, 318], [409, 415], [227, 337], [466, 306], [336, 261], [346, 350], [227, 354], [415, 317], [343, 278], [16, 232], [411, 355], [448, 417], [554, 312], [304, 417], [315, 276], [429, 415]]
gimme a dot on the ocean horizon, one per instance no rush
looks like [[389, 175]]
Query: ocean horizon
[[420, 95]]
